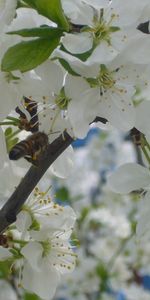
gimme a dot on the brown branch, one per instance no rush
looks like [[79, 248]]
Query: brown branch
[[11, 208]]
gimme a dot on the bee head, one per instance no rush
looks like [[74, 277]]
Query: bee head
[[15, 154]]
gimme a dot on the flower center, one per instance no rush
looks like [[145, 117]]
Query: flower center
[[102, 29], [61, 100], [104, 80]]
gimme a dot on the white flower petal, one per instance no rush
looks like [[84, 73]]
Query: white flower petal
[[74, 86], [87, 68], [7, 12], [122, 10], [33, 253], [63, 165], [51, 75], [103, 53], [82, 111], [118, 109], [4, 253], [43, 283], [23, 221], [143, 224], [142, 122], [135, 53], [77, 43], [78, 12], [129, 177], [98, 3]]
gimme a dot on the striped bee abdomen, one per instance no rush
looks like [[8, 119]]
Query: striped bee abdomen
[[19, 150]]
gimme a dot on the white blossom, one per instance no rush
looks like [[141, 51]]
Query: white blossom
[[128, 178]]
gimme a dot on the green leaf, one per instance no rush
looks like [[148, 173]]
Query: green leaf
[[63, 194], [43, 32], [51, 9], [21, 3], [27, 55], [28, 296], [31, 3], [5, 269]]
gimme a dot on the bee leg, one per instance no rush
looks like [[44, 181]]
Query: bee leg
[[34, 162]]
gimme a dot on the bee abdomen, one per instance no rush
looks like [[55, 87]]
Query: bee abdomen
[[19, 150]]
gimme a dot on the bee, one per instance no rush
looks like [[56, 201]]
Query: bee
[[32, 148], [30, 107]]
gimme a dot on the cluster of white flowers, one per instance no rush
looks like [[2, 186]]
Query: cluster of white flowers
[[110, 261], [64, 65], [39, 244]]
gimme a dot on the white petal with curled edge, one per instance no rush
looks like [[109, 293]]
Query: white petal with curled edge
[[78, 12], [83, 68], [4, 253], [42, 283], [33, 253], [77, 43], [63, 165], [128, 178]]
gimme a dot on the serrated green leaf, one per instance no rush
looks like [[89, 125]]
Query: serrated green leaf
[[51, 9], [43, 32], [27, 55]]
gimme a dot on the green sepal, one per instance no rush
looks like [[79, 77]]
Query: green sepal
[[82, 56], [67, 67]]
